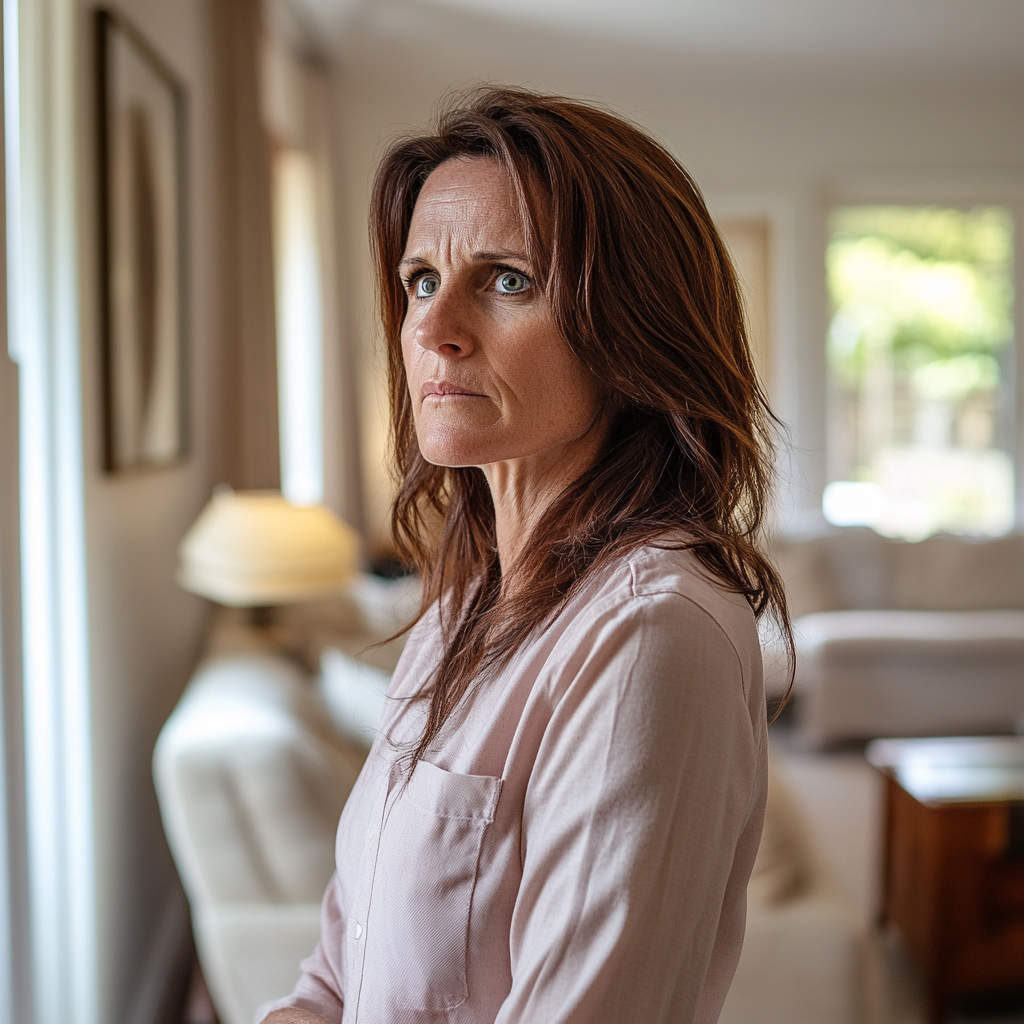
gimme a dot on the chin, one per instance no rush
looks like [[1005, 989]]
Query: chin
[[454, 452], [451, 459], [454, 442]]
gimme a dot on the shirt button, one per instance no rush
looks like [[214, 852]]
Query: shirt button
[[357, 930]]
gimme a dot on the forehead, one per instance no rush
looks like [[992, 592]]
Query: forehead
[[466, 202]]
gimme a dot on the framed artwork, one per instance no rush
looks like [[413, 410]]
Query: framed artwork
[[141, 145]]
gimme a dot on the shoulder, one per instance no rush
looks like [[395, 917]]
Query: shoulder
[[665, 580], [652, 652], [666, 568], [659, 606]]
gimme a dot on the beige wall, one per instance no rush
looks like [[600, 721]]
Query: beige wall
[[753, 136], [144, 632], [750, 245]]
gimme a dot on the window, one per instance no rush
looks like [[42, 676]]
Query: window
[[299, 326], [920, 350]]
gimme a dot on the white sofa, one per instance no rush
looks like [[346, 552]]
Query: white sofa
[[251, 782], [252, 771], [904, 639]]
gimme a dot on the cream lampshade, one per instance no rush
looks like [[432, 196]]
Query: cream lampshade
[[252, 549]]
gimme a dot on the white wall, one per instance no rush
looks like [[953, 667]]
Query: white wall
[[144, 632], [758, 137]]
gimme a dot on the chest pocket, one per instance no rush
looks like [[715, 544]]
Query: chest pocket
[[423, 886]]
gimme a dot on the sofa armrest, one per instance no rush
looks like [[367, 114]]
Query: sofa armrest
[[807, 961], [251, 780], [251, 952]]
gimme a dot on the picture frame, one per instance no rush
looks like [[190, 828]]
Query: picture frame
[[141, 131]]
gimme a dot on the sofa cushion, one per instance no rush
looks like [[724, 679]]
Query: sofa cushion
[[807, 961], [864, 674], [782, 868], [858, 569], [860, 566], [834, 571], [946, 573], [804, 566]]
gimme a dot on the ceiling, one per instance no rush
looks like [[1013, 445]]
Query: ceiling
[[983, 34]]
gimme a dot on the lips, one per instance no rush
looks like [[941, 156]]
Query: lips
[[446, 389]]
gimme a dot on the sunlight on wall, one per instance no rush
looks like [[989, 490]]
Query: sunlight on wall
[[749, 242], [920, 365], [299, 327]]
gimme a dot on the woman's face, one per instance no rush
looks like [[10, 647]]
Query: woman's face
[[490, 376]]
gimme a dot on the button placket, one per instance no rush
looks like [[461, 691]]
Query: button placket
[[367, 874]]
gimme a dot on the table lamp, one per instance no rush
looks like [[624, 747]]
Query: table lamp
[[255, 549]]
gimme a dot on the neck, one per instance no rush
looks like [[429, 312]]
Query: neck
[[523, 489]]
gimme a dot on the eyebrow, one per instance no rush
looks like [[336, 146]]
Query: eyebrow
[[481, 256]]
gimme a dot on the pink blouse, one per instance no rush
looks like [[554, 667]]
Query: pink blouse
[[576, 848]]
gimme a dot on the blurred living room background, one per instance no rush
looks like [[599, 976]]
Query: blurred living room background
[[189, 304]]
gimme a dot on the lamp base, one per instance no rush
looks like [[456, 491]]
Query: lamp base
[[261, 616]]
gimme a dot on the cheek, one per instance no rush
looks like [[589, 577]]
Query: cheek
[[411, 357], [408, 350], [562, 393]]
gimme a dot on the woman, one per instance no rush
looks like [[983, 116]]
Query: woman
[[559, 818]]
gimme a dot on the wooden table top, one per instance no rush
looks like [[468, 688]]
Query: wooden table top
[[955, 769]]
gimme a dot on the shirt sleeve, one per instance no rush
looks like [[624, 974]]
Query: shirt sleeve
[[640, 825], [318, 988]]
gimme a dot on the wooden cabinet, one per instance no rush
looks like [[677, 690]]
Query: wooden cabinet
[[953, 880]]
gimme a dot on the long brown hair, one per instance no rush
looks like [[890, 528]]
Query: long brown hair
[[643, 291]]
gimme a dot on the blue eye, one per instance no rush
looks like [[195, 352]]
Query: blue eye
[[512, 282], [426, 285]]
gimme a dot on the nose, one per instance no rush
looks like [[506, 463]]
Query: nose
[[444, 326]]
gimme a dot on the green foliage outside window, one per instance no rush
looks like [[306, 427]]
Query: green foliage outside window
[[932, 285], [922, 323]]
